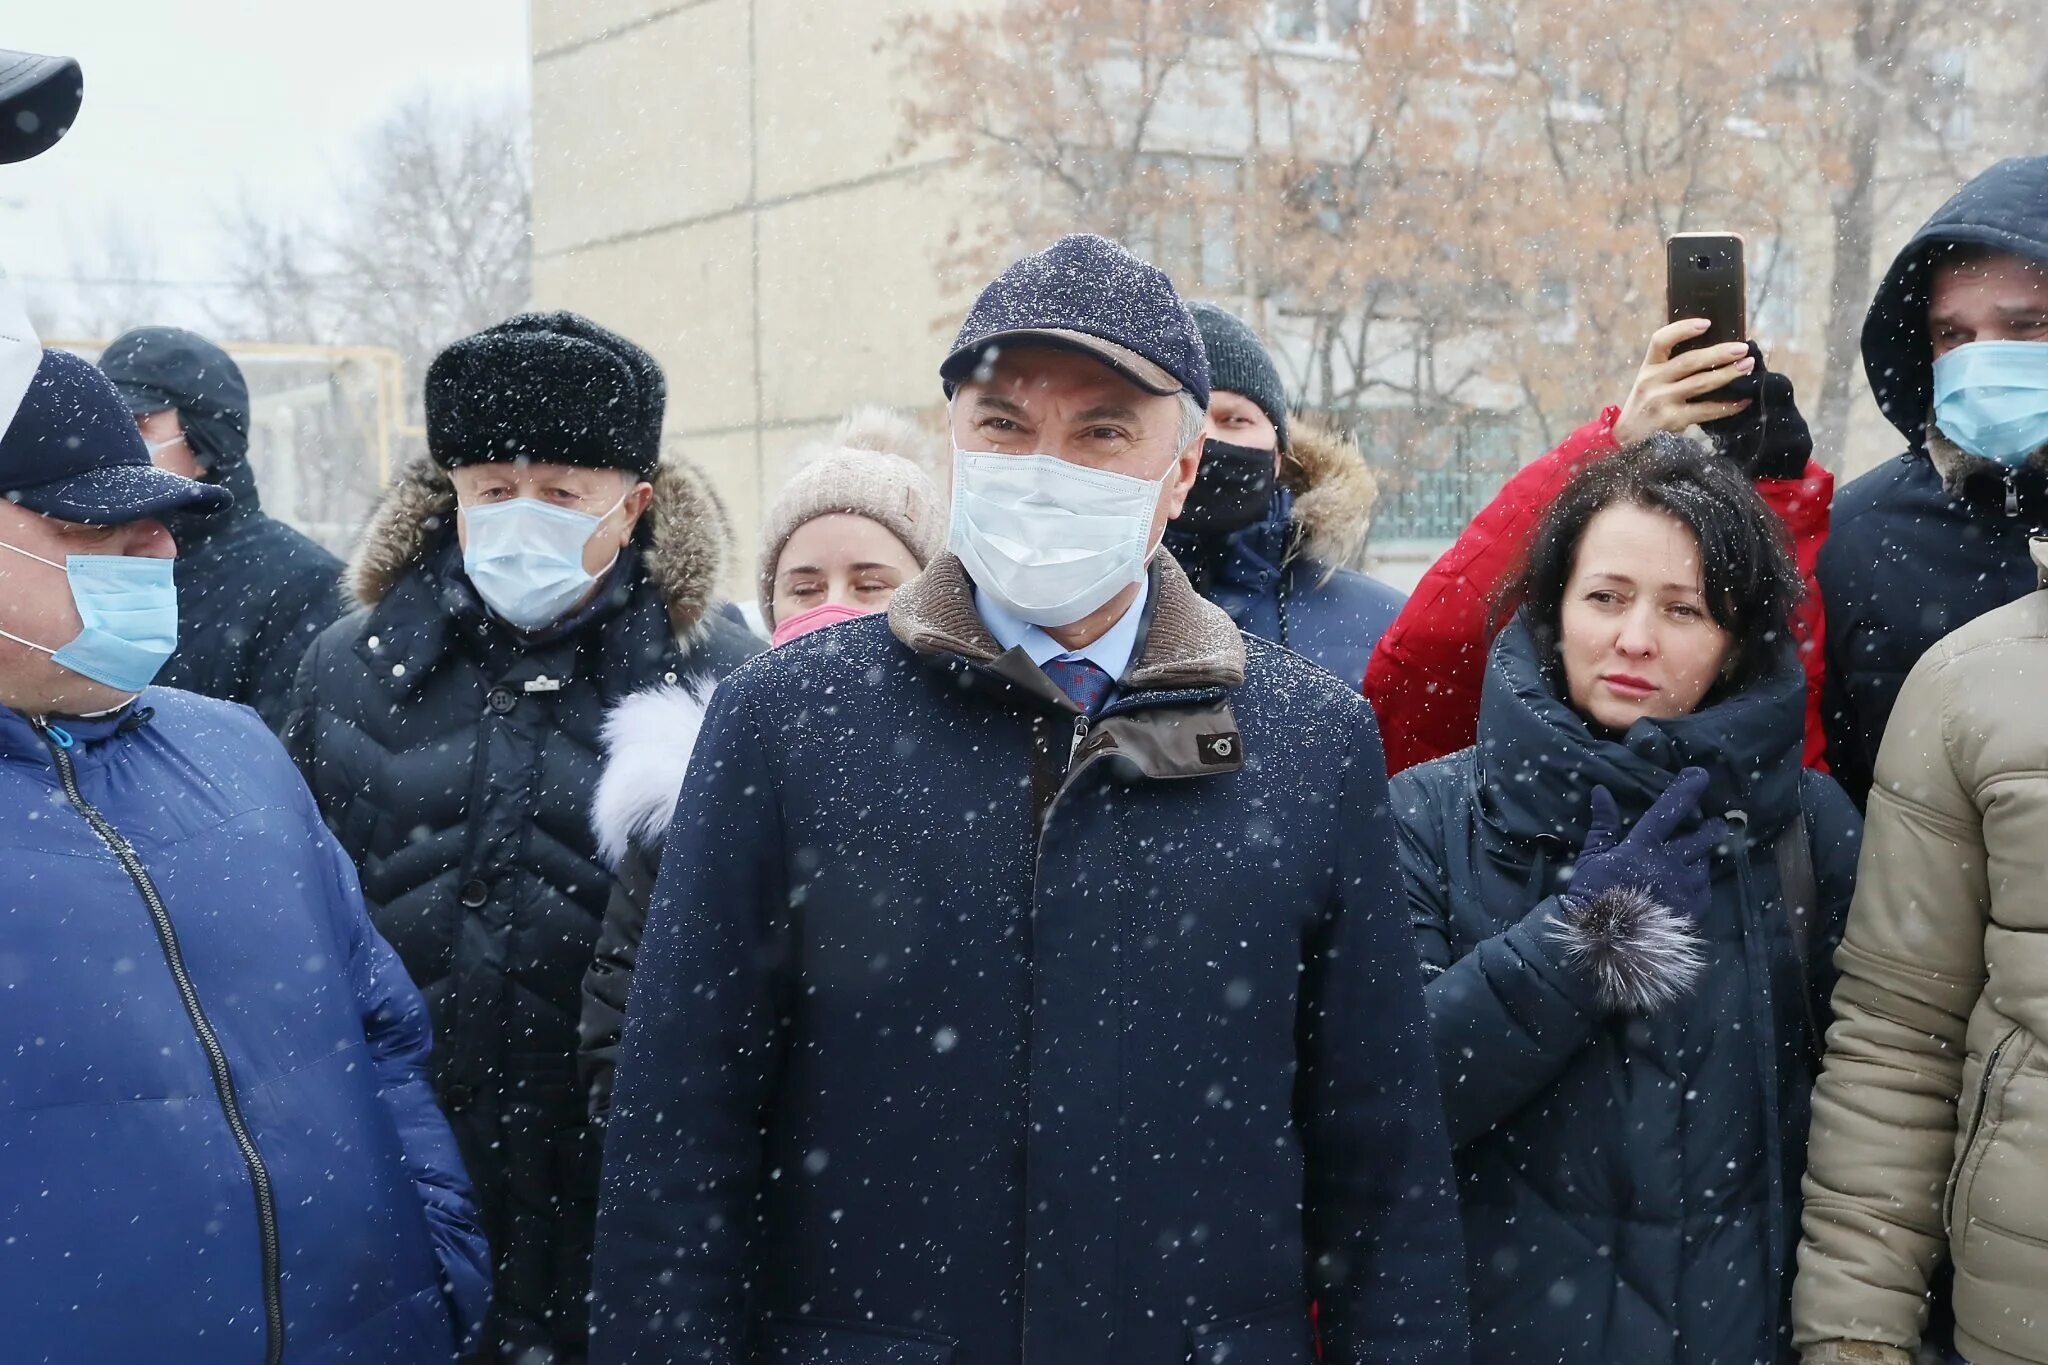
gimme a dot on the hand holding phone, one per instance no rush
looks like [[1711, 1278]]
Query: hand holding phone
[[1670, 387]]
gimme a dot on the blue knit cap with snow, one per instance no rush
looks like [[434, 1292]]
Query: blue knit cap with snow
[[1088, 294]]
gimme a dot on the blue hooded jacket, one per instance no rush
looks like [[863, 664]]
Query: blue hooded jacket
[[217, 1140]]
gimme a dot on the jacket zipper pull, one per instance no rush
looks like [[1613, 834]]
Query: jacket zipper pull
[[2012, 492], [1080, 733]]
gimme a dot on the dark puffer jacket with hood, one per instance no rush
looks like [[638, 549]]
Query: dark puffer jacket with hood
[[456, 760], [252, 592], [1926, 543], [1629, 1178], [1282, 579]]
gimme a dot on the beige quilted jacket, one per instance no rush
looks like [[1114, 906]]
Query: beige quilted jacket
[[1930, 1124]]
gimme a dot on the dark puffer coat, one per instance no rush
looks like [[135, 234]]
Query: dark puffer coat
[[1283, 579], [456, 760], [1924, 544], [968, 1031], [1630, 1181]]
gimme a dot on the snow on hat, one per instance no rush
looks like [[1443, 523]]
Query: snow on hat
[[874, 465], [1088, 294], [553, 388], [73, 452]]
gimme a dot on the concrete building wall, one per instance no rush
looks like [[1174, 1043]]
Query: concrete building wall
[[723, 181]]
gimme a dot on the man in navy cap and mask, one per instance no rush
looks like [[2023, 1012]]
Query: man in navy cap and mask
[[1027, 981], [217, 1137], [254, 592]]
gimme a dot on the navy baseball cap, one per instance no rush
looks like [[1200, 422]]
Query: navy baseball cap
[[1086, 293], [39, 97], [73, 452]]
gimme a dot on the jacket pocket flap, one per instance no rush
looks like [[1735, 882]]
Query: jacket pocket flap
[[1279, 1335], [805, 1341]]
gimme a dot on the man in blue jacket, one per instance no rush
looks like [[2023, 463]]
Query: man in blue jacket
[[217, 1139], [1027, 982]]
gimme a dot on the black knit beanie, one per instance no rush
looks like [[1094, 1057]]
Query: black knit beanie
[[554, 388], [1239, 364]]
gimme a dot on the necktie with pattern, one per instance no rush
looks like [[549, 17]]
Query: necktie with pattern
[[1084, 682]]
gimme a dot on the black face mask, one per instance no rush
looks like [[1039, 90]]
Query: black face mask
[[1233, 489]]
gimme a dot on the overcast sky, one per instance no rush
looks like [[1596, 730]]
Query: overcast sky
[[188, 103]]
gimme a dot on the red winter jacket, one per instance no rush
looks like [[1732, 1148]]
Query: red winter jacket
[[1424, 678]]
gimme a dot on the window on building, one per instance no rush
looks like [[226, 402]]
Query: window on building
[[1316, 23], [1191, 228], [1943, 106]]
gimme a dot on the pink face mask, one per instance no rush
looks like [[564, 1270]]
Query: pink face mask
[[817, 618]]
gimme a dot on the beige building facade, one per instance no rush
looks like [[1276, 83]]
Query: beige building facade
[[722, 181]]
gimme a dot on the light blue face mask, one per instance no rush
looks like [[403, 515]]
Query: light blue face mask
[[1991, 398], [525, 558], [128, 607]]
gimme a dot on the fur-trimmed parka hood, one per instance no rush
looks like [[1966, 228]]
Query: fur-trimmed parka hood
[[1334, 490], [685, 537]]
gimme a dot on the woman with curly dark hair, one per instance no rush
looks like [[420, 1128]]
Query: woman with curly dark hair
[[1625, 897]]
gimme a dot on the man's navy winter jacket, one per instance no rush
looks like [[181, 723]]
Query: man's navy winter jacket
[[215, 1122], [970, 1031]]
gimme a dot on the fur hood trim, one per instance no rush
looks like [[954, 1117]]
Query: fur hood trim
[[1334, 489], [1957, 466], [685, 537], [648, 739], [1642, 954]]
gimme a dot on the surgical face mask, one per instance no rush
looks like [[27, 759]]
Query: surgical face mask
[[1991, 398], [1048, 540], [525, 558], [128, 612], [1233, 490], [817, 618]]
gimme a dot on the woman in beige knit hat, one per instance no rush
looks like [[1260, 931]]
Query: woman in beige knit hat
[[858, 518]]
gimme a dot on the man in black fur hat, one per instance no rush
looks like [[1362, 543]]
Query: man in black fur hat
[[543, 565]]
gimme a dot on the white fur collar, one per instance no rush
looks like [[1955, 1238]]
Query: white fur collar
[[647, 742]]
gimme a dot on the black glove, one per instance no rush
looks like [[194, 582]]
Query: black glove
[[1632, 903], [1768, 439]]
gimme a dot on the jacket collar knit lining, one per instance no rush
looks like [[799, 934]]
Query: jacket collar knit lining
[[1188, 641]]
